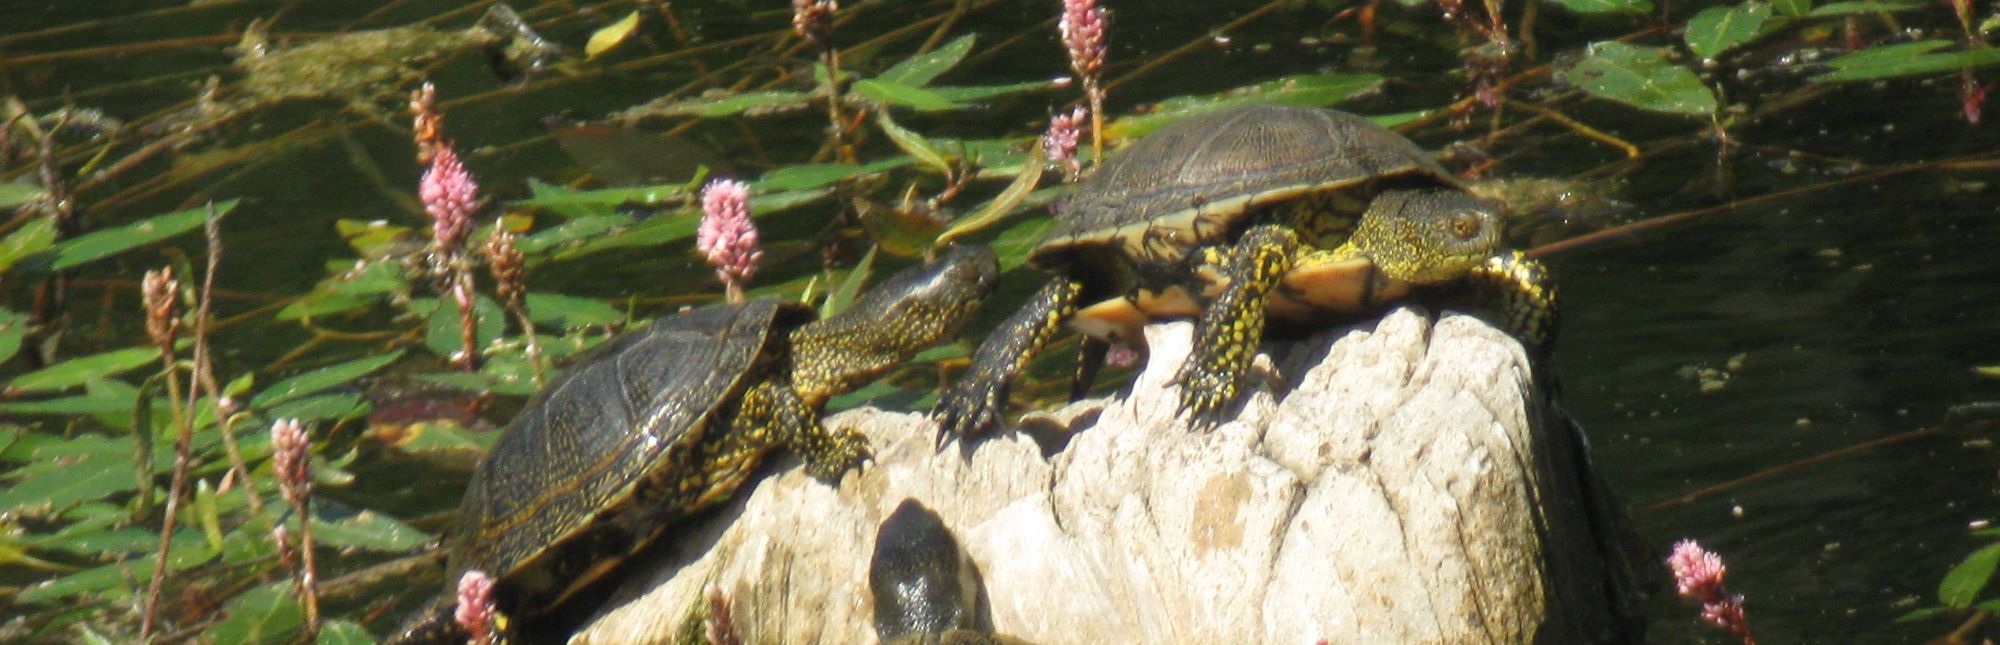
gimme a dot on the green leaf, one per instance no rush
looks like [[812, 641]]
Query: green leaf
[[963, 94], [33, 237], [13, 327], [76, 371], [98, 245], [1014, 244], [1922, 614], [1962, 584], [321, 379], [1311, 90], [1608, 6], [446, 336], [319, 407], [1004, 204], [604, 198], [1642, 77], [266, 614], [16, 194], [809, 176], [368, 530], [344, 632], [1717, 29], [899, 94], [82, 480], [843, 295], [913, 144], [1792, 8], [570, 312], [113, 579], [1906, 59], [207, 515], [921, 69], [726, 104], [1862, 7]]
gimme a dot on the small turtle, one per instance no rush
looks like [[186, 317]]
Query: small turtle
[[926, 590], [1297, 214], [671, 419]]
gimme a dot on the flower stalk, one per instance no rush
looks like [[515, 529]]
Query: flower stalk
[[291, 461], [1082, 27], [159, 292], [450, 196], [813, 21]]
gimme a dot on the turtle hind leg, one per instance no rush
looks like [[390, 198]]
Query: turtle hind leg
[[1232, 326], [773, 414], [976, 400], [1519, 295]]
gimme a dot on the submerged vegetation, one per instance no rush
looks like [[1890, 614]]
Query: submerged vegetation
[[367, 233]]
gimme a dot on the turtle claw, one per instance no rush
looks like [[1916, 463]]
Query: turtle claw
[[1205, 394], [969, 407]]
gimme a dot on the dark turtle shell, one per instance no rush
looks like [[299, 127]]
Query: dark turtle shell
[[586, 473], [1193, 182]]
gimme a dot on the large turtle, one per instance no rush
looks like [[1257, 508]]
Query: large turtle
[[1297, 214], [671, 419]]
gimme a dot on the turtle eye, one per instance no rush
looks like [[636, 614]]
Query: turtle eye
[[1465, 225]]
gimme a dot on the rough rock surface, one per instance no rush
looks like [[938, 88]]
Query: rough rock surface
[[1408, 485]]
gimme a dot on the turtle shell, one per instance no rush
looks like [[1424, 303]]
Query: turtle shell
[[588, 472], [1196, 181]]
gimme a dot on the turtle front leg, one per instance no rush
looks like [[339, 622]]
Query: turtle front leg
[[772, 414], [1232, 326], [978, 398], [1520, 295]]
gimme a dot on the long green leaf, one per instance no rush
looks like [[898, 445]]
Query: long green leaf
[[893, 93], [15, 194], [1608, 6], [1906, 60], [921, 69], [321, 379], [1962, 584], [76, 371], [98, 245], [32, 238], [913, 144], [1002, 204]]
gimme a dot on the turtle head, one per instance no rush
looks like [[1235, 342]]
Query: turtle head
[[891, 322], [1428, 236]]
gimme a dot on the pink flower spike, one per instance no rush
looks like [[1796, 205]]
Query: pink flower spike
[[1698, 574], [1082, 29], [450, 195], [475, 606], [727, 236], [1059, 143], [291, 458]]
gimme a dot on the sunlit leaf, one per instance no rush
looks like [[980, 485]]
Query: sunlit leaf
[[82, 480], [913, 144], [1863, 7], [368, 530], [921, 69], [610, 36], [1311, 90], [321, 379], [904, 95], [13, 327], [98, 245], [1717, 29], [446, 444], [1003, 204], [1906, 59], [604, 198], [32, 238], [1013, 245], [1962, 584], [1988, 371], [76, 371], [1792, 8], [371, 237], [267, 614], [1926, 613], [653, 231], [581, 228], [1642, 77], [843, 295], [15, 194], [1608, 6], [13, 555]]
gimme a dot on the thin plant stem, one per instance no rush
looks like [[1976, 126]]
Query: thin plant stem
[[204, 369], [181, 440]]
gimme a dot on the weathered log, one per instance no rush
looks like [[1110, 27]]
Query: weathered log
[[1405, 482]]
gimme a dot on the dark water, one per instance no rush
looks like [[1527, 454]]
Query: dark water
[[1836, 318]]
